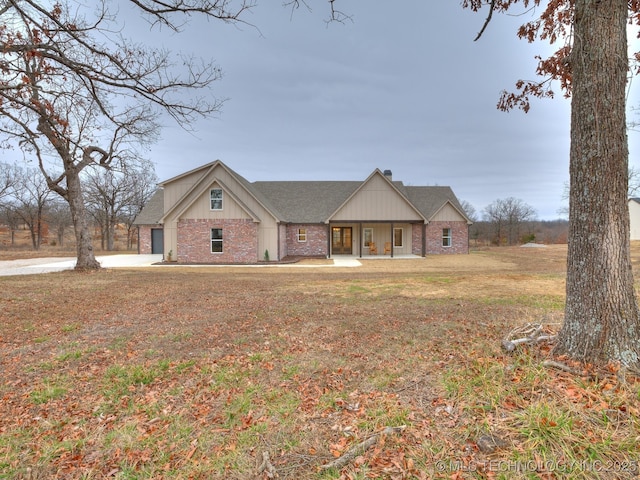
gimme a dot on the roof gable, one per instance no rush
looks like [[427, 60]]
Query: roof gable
[[210, 174], [377, 198], [431, 200]]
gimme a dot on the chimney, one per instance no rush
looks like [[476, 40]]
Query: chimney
[[388, 174]]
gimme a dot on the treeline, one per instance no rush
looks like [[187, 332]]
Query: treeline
[[111, 197], [484, 233], [510, 221]]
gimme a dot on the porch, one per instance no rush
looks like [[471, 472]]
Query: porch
[[376, 240]]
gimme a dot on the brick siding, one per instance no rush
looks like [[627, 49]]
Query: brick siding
[[239, 241], [316, 244], [144, 240], [416, 238], [459, 238]]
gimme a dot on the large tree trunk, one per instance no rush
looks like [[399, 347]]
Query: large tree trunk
[[601, 317], [84, 245]]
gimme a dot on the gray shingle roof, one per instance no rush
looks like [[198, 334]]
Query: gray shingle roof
[[430, 199], [306, 201], [153, 211], [312, 201]]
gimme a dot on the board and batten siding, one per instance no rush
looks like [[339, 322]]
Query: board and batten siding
[[376, 200], [447, 214], [201, 208]]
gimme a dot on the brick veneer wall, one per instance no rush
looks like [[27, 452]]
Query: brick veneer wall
[[239, 241], [459, 238], [416, 238], [316, 244], [144, 240]]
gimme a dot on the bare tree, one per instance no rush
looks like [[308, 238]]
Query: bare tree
[[469, 210], [113, 194], [143, 183], [634, 182], [508, 217], [10, 217], [30, 194], [7, 179], [74, 92], [59, 218]]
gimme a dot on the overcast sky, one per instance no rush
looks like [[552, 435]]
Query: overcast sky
[[405, 89]]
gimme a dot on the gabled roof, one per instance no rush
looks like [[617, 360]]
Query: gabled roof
[[430, 200], [153, 210], [203, 184], [312, 201], [394, 186]]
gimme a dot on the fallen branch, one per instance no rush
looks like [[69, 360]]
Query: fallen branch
[[360, 448], [266, 466], [529, 334]]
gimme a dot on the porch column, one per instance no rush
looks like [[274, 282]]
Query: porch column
[[329, 240], [360, 242], [392, 245], [424, 239]]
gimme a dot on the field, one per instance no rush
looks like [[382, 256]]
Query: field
[[393, 370]]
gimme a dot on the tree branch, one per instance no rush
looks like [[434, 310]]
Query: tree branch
[[360, 448], [487, 20]]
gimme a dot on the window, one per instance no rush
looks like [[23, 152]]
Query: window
[[216, 240], [302, 234], [216, 199], [397, 237], [367, 235], [446, 237]]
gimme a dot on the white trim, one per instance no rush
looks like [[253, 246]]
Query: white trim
[[450, 237], [221, 199], [220, 241]]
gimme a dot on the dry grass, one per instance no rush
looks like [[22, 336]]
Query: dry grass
[[194, 373]]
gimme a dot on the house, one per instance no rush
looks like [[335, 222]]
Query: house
[[634, 218], [213, 215]]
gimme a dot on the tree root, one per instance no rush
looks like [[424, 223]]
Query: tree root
[[560, 366]]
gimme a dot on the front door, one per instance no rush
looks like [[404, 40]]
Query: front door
[[341, 240]]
